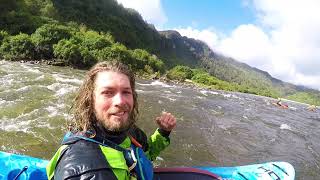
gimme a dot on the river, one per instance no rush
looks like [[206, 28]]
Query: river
[[215, 128]]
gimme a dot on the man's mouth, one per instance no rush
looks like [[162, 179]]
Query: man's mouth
[[118, 113]]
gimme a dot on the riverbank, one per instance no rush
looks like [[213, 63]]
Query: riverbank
[[52, 62]]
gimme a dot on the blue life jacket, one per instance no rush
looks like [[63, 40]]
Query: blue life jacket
[[144, 167]]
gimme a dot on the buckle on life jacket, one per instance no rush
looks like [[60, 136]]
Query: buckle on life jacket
[[130, 158]]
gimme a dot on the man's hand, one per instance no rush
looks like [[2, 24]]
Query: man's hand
[[166, 121]]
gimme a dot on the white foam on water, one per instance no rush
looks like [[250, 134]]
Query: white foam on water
[[236, 97], [67, 80], [23, 121], [27, 114], [53, 86], [231, 96], [206, 92], [292, 108], [40, 77], [53, 111], [213, 92], [142, 84], [171, 99], [285, 126], [60, 106], [6, 81], [23, 88], [223, 127], [61, 89], [200, 97], [36, 71], [10, 127], [159, 83], [67, 116], [16, 126], [32, 69], [3, 102], [140, 91], [226, 95], [313, 151]]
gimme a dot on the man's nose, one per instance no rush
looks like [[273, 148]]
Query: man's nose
[[118, 99]]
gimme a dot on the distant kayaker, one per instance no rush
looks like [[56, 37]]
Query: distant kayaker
[[104, 142], [312, 108], [279, 102]]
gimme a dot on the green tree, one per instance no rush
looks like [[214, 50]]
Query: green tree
[[7, 6], [3, 35], [93, 40], [18, 47], [69, 51], [180, 73], [73, 53], [47, 35]]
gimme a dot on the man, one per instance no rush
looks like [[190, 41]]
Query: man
[[104, 134]]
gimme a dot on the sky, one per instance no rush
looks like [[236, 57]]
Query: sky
[[281, 37]]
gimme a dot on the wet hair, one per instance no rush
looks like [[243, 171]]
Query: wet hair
[[83, 107]]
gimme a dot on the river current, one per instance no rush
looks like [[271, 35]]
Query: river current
[[215, 128]]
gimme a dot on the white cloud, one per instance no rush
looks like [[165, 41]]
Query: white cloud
[[206, 35], [286, 42], [248, 44], [150, 10], [295, 39]]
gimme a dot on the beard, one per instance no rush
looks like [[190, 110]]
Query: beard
[[116, 124]]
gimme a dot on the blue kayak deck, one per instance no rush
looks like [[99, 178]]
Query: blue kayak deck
[[30, 168]]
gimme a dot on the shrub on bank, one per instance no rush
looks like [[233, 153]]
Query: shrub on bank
[[3, 35], [92, 40], [46, 36], [180, 73], [147, 61], [71, 51], [18, 47], [205, 78], [137, 59]]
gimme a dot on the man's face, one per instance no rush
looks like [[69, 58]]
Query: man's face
[[113, 100]]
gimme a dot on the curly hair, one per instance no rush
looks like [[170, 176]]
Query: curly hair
[[83, 107]]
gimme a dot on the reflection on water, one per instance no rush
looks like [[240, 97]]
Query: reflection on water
[[214, 127]]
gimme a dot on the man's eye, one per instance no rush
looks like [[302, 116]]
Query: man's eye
[[107, 92], [127, 92]]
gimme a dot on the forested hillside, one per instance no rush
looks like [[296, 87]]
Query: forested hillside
[[82, 32]]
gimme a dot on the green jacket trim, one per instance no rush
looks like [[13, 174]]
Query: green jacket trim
[[157, 143], [53, 162], [116, 159]]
